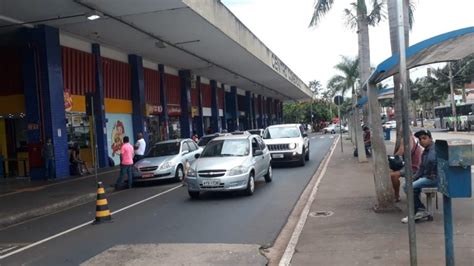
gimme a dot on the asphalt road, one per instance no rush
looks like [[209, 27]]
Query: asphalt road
[[168, 218]]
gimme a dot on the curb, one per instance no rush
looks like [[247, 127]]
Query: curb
[[49, 209]]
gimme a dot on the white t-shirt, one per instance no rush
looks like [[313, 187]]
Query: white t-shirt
[[141, 147]]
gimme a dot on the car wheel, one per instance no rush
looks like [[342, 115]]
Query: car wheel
[[302, 160], [269, 174], [250, 185], [179, 175], [306, 157], [333, 132], [193, 194]]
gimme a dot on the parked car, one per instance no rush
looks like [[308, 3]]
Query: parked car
[[256, 131], [334, 128], [165, 160], [230, 163], [287, 143]]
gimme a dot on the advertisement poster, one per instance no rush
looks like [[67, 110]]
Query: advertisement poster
[[118, 126]]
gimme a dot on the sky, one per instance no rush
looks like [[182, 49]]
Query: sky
[[312, 53]]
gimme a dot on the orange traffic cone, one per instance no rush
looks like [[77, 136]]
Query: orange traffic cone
[[102, 212]]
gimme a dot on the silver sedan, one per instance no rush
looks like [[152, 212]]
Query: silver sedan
[[165, 160], [230, 163]]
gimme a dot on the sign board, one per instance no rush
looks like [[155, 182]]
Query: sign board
[[338, 100]]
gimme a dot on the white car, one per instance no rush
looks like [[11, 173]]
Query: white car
[[334, 128], [390, 124], [287, 143], [230, 163]]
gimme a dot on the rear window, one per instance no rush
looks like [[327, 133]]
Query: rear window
[[205, 139]]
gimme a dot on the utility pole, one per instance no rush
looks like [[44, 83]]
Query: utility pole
[[453, 103], [406, 133]]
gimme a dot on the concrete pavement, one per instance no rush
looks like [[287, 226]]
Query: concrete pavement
[[353, 234]]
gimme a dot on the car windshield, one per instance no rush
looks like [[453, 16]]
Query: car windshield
[[227, 147], [164, 149], [281, 132], [205, 139]]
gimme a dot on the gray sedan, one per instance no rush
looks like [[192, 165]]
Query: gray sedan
[[230, 163], [165, 160]]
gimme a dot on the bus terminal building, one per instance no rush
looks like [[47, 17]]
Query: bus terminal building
[[165, 68]]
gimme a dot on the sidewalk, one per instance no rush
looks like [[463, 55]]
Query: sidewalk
[[22, 199], [355, 235]]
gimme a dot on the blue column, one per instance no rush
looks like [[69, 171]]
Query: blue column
[[51, 93], [265, 111], [234, 109], [32, 103], [99, 109], [138, 95], [224, 109], [270, 111], [259, 106], [214, 109], [164, 118], [248, 110], [185, 118], [199, 121]]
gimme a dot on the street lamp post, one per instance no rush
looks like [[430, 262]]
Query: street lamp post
[[453, 103]]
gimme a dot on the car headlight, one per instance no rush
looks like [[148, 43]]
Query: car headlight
[[238, 170], [135, 169], [292, 146], [192, 172], [167, 165]]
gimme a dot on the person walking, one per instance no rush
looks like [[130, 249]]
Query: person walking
[[48, 156], [126, 164], [427, 174], [140, 147]]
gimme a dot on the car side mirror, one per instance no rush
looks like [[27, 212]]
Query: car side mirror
[[305, 135], [257, 153], [197, 155]]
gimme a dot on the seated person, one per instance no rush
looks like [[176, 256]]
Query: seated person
[[427, 174], [416, 151], [76, 161]]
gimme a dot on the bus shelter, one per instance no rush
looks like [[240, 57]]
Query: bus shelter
[[449, 46]]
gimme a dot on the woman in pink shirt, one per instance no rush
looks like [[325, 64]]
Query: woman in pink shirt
[[416, 151], [126, 163]]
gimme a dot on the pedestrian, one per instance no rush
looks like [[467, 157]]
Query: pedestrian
[[416, 152], [140, 147], [367, 141], [427, 174], [48, 156], [195, 136], [76, 160], [126, 164]]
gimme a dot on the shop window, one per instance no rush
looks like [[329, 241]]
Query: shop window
[[78, 129]]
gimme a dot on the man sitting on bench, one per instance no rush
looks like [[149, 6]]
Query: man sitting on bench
[[426, 176]]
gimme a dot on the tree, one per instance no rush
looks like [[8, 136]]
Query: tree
[[349, 72]]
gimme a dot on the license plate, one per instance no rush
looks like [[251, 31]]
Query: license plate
[[277, 155], [211, 183], [146, 175]]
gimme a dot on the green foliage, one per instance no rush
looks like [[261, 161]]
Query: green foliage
[[297, 112]]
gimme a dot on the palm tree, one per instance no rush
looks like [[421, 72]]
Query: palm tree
[[349, 69], [357, 18]]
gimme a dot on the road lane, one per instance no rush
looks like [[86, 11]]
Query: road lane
[[171, 218]]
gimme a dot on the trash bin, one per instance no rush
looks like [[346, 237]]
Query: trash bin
[[387, 133]]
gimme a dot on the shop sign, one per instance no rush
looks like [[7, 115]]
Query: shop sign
[[174, 110], [153, 109]]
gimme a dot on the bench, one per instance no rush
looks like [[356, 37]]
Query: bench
[[430, 192]]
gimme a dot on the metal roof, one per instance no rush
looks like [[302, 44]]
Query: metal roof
[[198, 35], [453, 45]]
